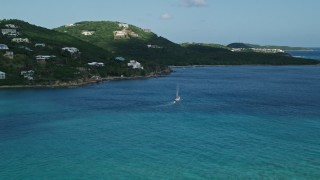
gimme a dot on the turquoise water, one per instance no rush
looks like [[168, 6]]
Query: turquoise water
[[234, 122]]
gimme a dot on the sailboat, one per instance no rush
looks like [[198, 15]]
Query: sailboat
[[177, 99]]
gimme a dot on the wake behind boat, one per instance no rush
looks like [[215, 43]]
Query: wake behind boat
[[177, 99]]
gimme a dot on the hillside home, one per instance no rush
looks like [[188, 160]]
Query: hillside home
[[71, 50], [97, 64], [3, 47], [9, 54], [2, 75], [69, 25], [119, 58], [120, 34], [153, 46], [44, 57], [123, 25], [40, 45], [135, 64], [133, 34], [8, 31], [20, 40], [27, 74], [11, 26], [25, 48], [87, 33], [147, 30]]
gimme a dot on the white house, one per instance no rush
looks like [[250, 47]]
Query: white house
[[27, 74], [2, 75], [119, 58], [87, 33], [147, 30], [120, 34], [19, 40], [153, 46], [135, 64], [71, 50], [9, 54], [44, 57], [3, 47], [97, 64], [123, 25], [11, 26], [8, 31], [69, 25], [133, 34], [40, 45]]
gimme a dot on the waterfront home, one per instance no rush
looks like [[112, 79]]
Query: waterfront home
[[8, 31], [87, 33], [2, 75], [40, 45], [119, 58], [97, 64], [135, 64], [9, 54], [120, 34], [71, 50], [3, 47], [20, 40], [123, 25]]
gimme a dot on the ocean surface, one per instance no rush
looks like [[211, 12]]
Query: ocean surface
[[234, 122], [313, 54]]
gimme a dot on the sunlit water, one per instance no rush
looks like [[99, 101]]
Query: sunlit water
[[233, 122]]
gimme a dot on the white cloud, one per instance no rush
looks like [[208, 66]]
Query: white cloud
[[165, 16], [193, 3]]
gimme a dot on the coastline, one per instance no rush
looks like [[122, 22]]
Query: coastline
[[194, 66], [80, 84]]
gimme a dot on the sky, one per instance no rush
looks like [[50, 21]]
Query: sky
[[264, 22]]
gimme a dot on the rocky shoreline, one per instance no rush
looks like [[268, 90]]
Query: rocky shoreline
[[81, 82]]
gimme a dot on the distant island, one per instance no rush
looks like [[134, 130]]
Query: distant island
[[86, 52], [284, 48]]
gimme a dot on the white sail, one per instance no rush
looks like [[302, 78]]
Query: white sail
[[177, 99]]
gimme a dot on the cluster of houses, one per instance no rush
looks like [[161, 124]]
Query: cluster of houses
[[27, 74], [71, 50], [125, 32], [259, 50], [11, 30], [135, 64]]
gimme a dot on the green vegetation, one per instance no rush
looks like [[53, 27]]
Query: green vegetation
[[64, 67], [171, 53], [102, 46]]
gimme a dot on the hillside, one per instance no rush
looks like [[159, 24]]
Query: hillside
[[87, 51], [164, 52], [61, 66]]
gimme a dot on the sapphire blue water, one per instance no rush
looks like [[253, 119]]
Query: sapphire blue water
[[234, 122], [313, 54]]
